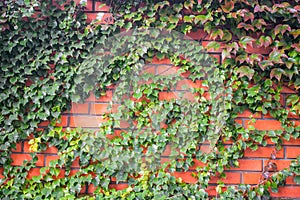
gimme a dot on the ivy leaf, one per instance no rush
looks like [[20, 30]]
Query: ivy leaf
[[282, 28], [277, 73], [245, 71], [228, 6], [292, 99], [297, 179]]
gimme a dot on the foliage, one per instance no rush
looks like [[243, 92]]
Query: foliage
[[48, 60]]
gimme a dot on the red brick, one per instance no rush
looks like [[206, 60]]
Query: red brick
[[19, 158], [1, 172], [118, 186], [75, 163], [288, 192], [185, 176], [79, 108], [265, 124], [258, 50], [287, 90], [167, 96], [211, 190], [50, 158], [63, 121], [102, 18], [149, 69], [186, 84], [231, 178], [292, 152], [155, 60], [222, 45], [106, 98], [100, 7], [18, 147], [290, 180], [249, 165], [33, 172], [262, 152], [247, 114], [281, 164], [45, 123], [99, 108], [292, 141], [166, 70], [239, 121], [196, 35], [86, 121], [251, 177], [51, 149]]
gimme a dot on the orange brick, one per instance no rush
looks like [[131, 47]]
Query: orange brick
[[281, 164], [18, 147], [167, 96], [292, 152], [196, 35], [265, 124], [288, 90], [106, 98], [251, 177], [52, 150], [258, 50], [99, 108], [166, 70], [18, 159], [290, 181], [86, 121], [288, 192], [149, 69], [33, 172], [262, 152], [63, 121], [100, 7], [292, 141], [185, 176], [222, 45], [231, 178], [50, 158], [211, 190], [118, 186], [247, 114], [155, 60], [186, 84], [75, 163], [249, 165], [79, 108], [1, 172]]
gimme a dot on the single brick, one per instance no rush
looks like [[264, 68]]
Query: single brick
[[86, 121], [50, 158], [251, 177], [33, 172], [101, 108], [186, 177], [80, 108], [247, 114], [288, 192], [63, 121], [166, 70], [120, 186], [196, 35], [248, 165], [155, 60], [262, 152], [231, 178], [292, 152], [18, 159], [292, 141], [281, 164], [258, 50], [18, 147], [265, 124]]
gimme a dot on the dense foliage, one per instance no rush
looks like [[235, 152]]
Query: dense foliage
[[48, 60]]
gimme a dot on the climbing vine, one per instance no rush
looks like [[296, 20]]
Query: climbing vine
[[51, 57]]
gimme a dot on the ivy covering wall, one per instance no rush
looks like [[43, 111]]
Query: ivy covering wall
[[245, 58]]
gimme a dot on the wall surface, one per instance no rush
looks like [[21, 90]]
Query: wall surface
[[88, 115]]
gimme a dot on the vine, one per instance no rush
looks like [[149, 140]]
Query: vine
[[48, 61]]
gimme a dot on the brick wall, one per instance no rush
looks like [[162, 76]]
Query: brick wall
[[88, 115]]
